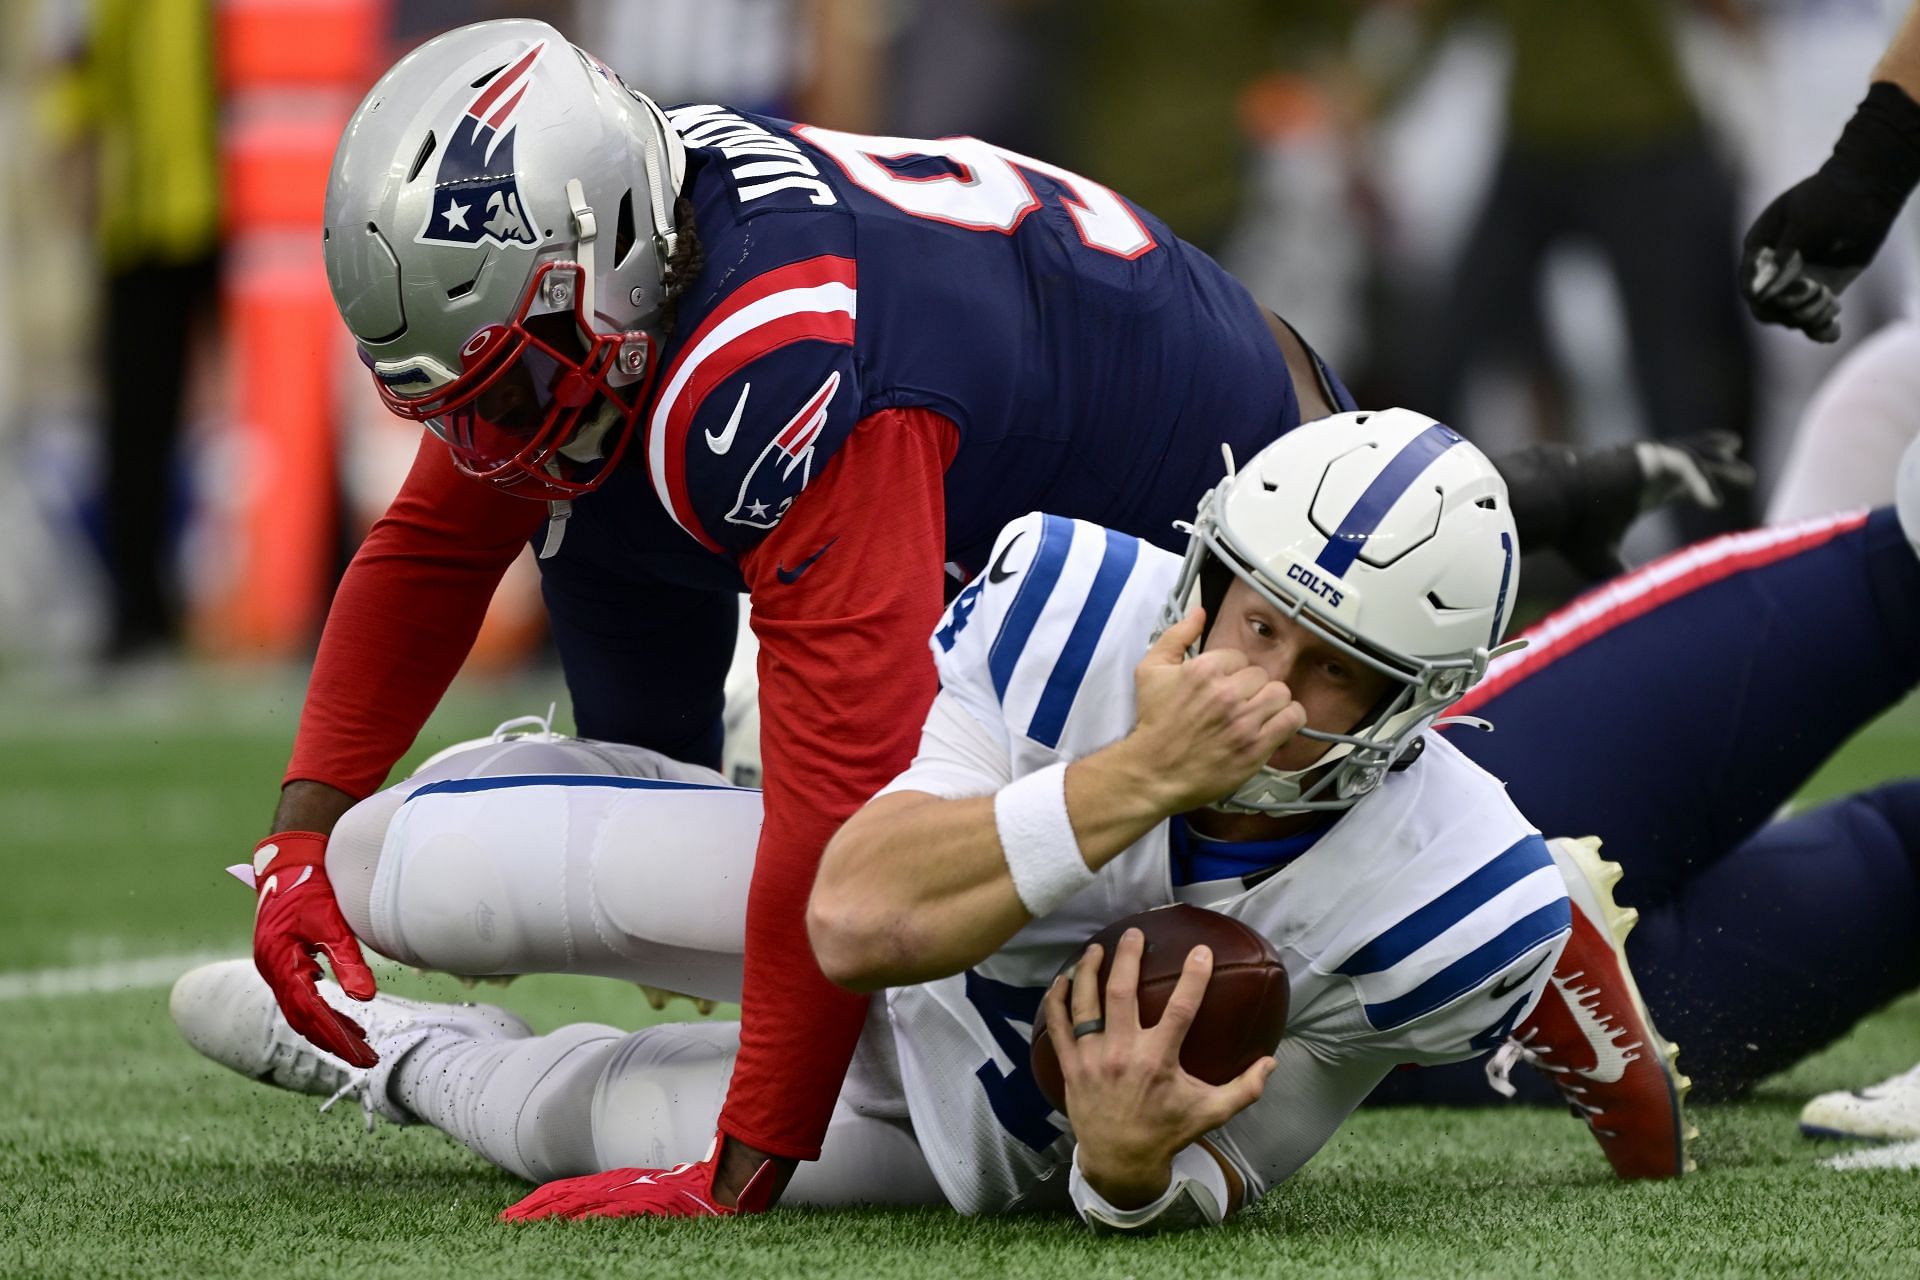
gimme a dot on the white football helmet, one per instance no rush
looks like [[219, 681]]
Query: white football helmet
[[1386, 534], [498, 224]]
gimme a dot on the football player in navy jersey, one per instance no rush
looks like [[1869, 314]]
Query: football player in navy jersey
[[697, 352]]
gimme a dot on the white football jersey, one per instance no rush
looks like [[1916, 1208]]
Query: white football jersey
[[1419, 927]]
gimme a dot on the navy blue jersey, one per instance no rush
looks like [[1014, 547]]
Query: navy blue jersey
[[1092, 362]]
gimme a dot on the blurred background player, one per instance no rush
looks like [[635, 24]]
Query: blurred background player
[[1808, 245], [141, 103]]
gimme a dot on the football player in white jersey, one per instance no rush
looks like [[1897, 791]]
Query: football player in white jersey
[[1247, 729]]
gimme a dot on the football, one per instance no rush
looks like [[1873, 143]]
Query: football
[[1241, 1016]]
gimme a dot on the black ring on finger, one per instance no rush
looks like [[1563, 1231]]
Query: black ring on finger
[[1092, 1026]]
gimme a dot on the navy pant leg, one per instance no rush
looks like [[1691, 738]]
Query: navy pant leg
[[645, 665], [1775, 950]]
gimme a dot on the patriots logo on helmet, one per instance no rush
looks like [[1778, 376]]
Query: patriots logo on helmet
[[476, 195], [771, 485]]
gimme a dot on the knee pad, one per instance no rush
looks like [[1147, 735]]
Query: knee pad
[[657, 1103], [353, 857]]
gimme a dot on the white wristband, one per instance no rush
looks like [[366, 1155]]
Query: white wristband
[[1037, 840], [1196, 1196]]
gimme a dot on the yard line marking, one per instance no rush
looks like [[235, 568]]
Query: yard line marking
[[1901, 1155], [142, 974], [99, 979]]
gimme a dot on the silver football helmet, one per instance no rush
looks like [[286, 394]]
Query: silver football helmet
[[498, 225], [1386, 535]]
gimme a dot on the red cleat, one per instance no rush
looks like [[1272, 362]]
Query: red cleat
[[1592, 1035], [684, 1191]]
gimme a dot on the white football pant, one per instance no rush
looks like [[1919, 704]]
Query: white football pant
[[544, 855]]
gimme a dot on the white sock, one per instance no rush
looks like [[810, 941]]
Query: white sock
[[525, 1105]]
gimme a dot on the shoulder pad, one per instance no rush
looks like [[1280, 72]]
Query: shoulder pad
[[755, 401], [1017, 642]]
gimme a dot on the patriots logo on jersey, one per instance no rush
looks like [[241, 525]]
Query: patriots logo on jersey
[[476, 194], [785, 465]]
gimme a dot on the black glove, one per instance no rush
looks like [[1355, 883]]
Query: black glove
[[1580, 502], [1812, 241]]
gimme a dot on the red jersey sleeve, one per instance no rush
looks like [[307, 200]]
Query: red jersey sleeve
[[404, 619], [845, 591]]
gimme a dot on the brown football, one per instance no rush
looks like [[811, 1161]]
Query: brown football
[[1241, 1016]]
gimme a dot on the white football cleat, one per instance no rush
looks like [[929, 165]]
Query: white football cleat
[[227, 1012], [1885, 1112]]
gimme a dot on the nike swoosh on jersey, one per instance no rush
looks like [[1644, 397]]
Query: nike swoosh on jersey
[[1610, 1059], [724, 441], [1502, 987], [791, 576], [999, 572]]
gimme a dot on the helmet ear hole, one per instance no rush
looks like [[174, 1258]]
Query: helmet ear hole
[[1215, 578], [623, 236], [420, 160]]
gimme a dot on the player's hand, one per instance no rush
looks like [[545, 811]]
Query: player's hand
[[621, 1193], [1132, 1105], [684, 1191], [297, 919], [1704, 469], [1203, 725], [1808, 245]]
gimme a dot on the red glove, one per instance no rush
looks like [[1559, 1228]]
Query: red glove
[[684, 1191], [297, 920]]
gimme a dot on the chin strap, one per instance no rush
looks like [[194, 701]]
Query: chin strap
[[662, 186], [558, 513], [586, 230]]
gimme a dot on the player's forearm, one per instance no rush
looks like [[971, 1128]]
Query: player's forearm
[[310, 806], [915, 887], [1900, 65], [402, 621]]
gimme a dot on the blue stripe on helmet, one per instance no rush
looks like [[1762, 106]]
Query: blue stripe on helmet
[[1500, 601], [1116, 563], [1394, 479]]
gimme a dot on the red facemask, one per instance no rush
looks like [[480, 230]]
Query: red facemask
[[536, 390]]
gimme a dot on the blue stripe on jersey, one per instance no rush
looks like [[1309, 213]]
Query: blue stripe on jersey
[[1394, 479], [1500, 601], [454, 786], [1518, 861], [1056, 536], [1473, 970], [1056, 700]]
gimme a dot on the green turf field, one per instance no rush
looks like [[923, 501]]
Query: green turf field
[[124, 1153]]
